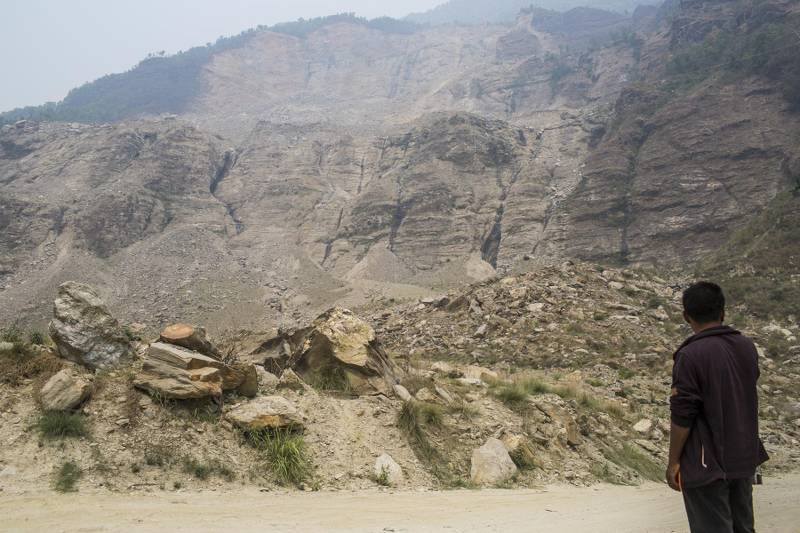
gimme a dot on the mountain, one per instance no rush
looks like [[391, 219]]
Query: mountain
[[343, 160], [479, 12]]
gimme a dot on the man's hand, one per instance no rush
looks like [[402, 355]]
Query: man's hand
[[674, 476]]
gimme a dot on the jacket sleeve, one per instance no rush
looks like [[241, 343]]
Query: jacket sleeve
[[686, 401]]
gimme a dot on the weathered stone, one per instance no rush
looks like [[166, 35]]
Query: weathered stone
[[290, 380], [266, 412], [388, 470], [402, 393], [491, 464], [338, 338], [84, 331], [267, 381], [425, 395], [478, 372], [643, 426], [443, 394], [249, 385], [191, 337], [64, 391], [519, 447], [176, 372]]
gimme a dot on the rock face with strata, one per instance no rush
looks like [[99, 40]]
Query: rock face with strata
[[266, 412], [64, 391], [340, 341], [491, 464], [178, 373], [84, 331]]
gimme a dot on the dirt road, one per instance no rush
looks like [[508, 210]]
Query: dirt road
[[650, 508]]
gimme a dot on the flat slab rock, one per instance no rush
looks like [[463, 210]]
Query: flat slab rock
[[178, 373], [266, 412]]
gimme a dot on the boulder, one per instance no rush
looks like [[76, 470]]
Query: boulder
[[338, 338], [519, 448], [267, 381], [191, 337], [178, 373], [386, 469], [478, 372], [249, 385], [402, 393], [643, 426], [491, 464], [266, 412], [64, 391], [84, 331], [443, 394]]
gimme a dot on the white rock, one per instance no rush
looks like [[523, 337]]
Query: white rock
[[267, 381], [388, 469], [643, 426], [402, 393], [491, 464], [84, 331]]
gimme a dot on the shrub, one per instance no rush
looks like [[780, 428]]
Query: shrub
[[286, 454], [158, 455], [414, 418], [58, 425], [37, 338], [382, 479], [204, 470], [11, 334], [331, 379], [66, 477]]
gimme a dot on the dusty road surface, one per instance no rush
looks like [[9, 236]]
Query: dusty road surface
[[603, 508]]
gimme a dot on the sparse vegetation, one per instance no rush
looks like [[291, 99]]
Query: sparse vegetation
[[382, 479], [158, 455], [66, 477], [415, 382], [59, 425], [204, 470], [285, 452], [331, 379], [630, 457]]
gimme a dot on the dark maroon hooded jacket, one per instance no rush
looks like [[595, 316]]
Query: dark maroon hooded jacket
[[714, 393]]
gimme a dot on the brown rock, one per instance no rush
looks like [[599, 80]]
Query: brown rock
[[64, 391], [249, 386], [266, 412], [191, 337], [179, 373]]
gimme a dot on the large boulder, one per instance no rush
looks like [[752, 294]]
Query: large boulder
[[191, 337], [338, 340], [266, 412], [64, 391], [84, 331], [387, 470], [175, 372], [491, 464]]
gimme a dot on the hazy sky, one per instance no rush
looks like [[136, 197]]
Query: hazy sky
[[48, 47]]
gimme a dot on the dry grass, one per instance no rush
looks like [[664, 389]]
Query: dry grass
[[59, 425], [15, 369]]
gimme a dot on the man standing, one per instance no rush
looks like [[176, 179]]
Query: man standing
[[714, 444]]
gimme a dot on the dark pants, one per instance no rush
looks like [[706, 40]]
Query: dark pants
[[725, 506]]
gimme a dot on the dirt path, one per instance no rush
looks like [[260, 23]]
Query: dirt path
[[650, 508]]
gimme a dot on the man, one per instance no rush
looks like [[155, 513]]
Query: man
[[714, 445]]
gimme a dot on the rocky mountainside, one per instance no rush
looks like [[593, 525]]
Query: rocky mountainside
[[343, 160]]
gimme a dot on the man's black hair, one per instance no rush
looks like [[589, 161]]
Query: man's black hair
[[704, 302]]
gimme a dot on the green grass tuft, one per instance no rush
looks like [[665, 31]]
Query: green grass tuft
[[66, 477], [331, 379], [632, 458], [58, 425], [285, 452]]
